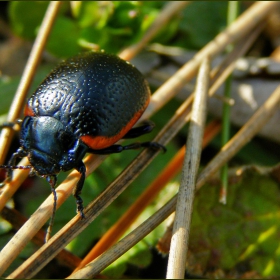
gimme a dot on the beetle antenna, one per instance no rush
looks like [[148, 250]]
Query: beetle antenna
[[52, 181], [15, 167], [12, 167]]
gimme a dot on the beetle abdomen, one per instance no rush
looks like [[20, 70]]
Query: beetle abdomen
[[97, 96]]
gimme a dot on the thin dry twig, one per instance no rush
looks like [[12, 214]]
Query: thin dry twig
[[243, 136], [16, 219], [233, 146], [11, 187], [165, 15], [27, 76], [181, 229], [243, 25]]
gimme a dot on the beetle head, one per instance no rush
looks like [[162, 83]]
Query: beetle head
[[48, 144]]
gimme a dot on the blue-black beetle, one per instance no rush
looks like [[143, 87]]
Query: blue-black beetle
[[85, 105]]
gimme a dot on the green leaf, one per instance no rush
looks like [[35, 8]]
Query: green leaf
[[63, 41], [8, 86], [246, 229], [201, 22], [26, 17], [93, 13], [126, 14]]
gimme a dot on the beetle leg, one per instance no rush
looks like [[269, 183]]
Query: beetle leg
[[137, 145], [20, 153], [152, 145], [134, 146], [10, 124], [78, 189], [134, 132]]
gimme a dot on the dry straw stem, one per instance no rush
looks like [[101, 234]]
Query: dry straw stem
[[179, 241], [27, 76], [16, 219], [123, 224], [74, 227], [243, 25], [10, 188], [211, 130], [170, 9], [245, 134]]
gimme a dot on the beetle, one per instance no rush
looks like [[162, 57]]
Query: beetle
[[85, 105]]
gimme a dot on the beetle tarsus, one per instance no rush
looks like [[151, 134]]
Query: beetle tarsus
[[154, 145], [78, 189], [80, 207]]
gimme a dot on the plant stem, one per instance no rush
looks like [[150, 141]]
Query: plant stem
[[233, 7]]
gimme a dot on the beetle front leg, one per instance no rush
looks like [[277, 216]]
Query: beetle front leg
[[20, 153], [11, 124], [78, 189]]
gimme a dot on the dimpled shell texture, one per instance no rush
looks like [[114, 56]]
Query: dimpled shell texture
[[93, 94]]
